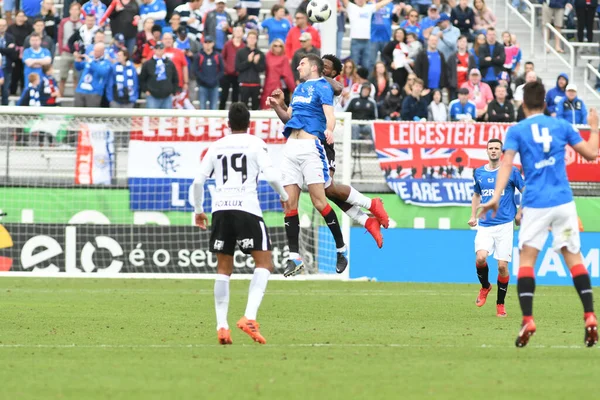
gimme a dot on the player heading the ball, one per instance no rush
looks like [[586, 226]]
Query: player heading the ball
[[236, 161], [547, 202]]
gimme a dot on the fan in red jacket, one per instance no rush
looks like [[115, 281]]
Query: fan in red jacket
[[292, 41], [277, 69]]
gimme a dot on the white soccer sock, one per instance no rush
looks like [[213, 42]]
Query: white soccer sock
[[357, 215], [258, 285], [222, 300], [356, 198]]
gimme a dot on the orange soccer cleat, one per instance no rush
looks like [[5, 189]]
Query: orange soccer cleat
[[500, 311], [374, 228], [482, 297], [591, 331], [251, 328], [379, 212], [224, 336], [527, 330]]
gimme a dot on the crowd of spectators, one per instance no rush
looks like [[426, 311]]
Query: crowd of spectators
[[438, 60]]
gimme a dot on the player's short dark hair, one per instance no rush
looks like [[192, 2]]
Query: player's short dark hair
[[337, 64], [315, 60], [239, 117], [494, 140], [534, 95]]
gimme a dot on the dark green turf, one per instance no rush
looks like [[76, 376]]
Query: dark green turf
[[155, 339]]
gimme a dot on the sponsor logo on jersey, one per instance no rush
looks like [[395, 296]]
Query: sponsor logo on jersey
[[489, 192], [228, 203], [545, 163], [302, 99]]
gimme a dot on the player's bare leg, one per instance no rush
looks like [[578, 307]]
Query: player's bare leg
[[258, 285], [583, 285], [338, 194], [483, 274], [292, 230], [503, 278], [526, 290], [221, 292], [317, 196]]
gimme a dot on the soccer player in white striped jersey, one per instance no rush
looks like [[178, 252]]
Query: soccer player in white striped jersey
[[236, 161]]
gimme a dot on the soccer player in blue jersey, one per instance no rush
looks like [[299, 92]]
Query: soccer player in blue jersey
[[547, 202], [494, 233]]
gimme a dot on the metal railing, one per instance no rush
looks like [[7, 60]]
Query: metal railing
[[586, 85], [568, 45], [531, 22]]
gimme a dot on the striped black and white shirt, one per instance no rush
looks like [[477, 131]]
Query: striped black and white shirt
[[195, 28]]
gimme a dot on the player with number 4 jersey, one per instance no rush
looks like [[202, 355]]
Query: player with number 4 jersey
[[494, 233], [235, 161], [547, 202]]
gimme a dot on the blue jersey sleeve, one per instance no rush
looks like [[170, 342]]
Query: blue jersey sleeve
[[476, 187], [512, 139], [573, 136], [326, 94], [518, 179]]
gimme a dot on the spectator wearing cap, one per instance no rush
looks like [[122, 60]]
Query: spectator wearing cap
[[307, 48], [462, 109], [51, 20], [463, 17], [491, 58], [448, 35], [191, 17], [411, 24], [36, 56], [209, 69], [431, 67], [414, 106], [95, 8], [8, 54], [459, 65], [555, 95], [40, 29], [246, 20], [95, 71], [479, 92], [571, 108], [230, 78], [363, 108], [158, 79], [124, 20], [250, 63], [430, 21], [183, 43], [501, 109], [68, 27], [277, 73], [292, 41], [155, 9], [122, 88], [278, 26], [179, 61], [381, 29], [218, 24], [437, 110]]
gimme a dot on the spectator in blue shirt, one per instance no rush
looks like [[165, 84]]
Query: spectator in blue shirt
[[155, 9], [430, 21], [411, 25], [218, 23], [35, 57], [122, 88], [95, 8], [96, 70], [31, 93], [278, 25], [32, 9], [555, 95], [462, 109], [431, 66], [571, 107], [381, 29]]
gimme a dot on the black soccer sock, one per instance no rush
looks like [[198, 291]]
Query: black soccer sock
[[502, 288], [334, 226], [583, 285], [526, 289], [482, 273], [292, 230]]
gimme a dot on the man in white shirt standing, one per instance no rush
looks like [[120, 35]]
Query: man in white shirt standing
[[359, 14]]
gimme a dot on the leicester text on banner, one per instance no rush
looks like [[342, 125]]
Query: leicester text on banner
[[165, 155], [432, 164]]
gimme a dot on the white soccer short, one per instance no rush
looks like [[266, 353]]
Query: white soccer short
[[496, 239], [304, 161], [563, 221]]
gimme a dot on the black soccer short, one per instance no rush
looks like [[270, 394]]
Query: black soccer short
[[330, 153], [231, 227]]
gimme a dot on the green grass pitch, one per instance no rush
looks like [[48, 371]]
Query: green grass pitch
[[156, 339]]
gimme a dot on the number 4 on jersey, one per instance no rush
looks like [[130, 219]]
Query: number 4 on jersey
[[542, 137]]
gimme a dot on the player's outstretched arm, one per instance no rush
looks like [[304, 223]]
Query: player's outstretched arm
[[589, 149], [337, 87], [501, 181], [277, 104]]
